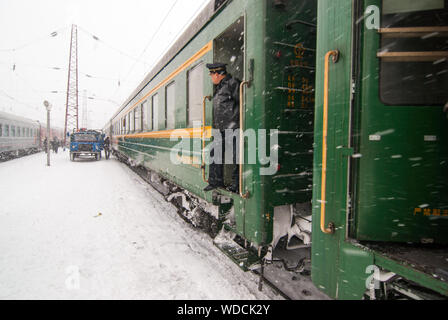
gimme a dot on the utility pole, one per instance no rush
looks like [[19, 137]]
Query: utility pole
[[71, 110]]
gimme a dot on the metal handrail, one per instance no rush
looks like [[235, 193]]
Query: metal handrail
[[245, 195], [203, 137], [334, 54]]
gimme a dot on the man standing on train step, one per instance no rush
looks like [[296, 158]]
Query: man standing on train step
[[226, 118]]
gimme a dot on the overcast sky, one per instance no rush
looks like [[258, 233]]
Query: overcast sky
[[133, 34]]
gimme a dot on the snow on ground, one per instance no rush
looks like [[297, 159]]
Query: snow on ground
[[94, 230]]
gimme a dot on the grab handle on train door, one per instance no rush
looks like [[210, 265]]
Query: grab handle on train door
[[245, 195], [203, 137], [334, 54]]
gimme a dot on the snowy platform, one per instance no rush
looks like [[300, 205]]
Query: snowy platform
[[95, 230]]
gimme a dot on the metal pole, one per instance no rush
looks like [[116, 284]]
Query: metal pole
[[48, 137]]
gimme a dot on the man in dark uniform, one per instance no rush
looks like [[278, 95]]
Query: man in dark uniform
[[225, 116]]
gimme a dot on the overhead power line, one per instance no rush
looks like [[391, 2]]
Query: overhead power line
[[3, 93], [150, 41], [40, 39], [112, 47], [177, 35]]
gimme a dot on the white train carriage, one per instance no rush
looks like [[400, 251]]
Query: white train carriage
[[18, 136]]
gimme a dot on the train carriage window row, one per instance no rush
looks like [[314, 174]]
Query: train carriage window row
[[147, 115]]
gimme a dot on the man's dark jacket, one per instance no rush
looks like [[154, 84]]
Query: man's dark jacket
[[226, 102]]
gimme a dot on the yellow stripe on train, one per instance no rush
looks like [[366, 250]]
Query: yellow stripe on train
[[192, 133]]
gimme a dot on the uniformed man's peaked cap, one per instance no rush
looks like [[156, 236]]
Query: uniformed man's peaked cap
[[216, 67]]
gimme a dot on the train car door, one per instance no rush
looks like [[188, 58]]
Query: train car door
[[228, 48], [400, 130]]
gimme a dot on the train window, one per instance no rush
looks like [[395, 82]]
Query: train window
[[13, 131], [414, 52], [18, 132], [155, 112], [195, 87], [132, 121], [6, 130], [143, 124], [148, 112], [128, 122], [138, 118], [170, 105], [125, 124], [1, 130]]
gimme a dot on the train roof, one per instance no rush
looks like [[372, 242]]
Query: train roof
[[13, 117], [206, 15]]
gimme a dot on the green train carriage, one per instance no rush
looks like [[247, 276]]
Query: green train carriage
[[170, 101], [380, 181], [271, 46]]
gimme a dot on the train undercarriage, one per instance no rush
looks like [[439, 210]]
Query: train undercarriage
[[9, 155]]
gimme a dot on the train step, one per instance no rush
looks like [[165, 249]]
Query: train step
[[245, 259]]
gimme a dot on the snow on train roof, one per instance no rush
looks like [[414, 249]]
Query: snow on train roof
[[13, 117]]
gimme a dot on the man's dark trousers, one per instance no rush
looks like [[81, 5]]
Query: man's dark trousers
[[216, 170]]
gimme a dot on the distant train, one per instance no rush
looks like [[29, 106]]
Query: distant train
[[21, 136], [353, 94]]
